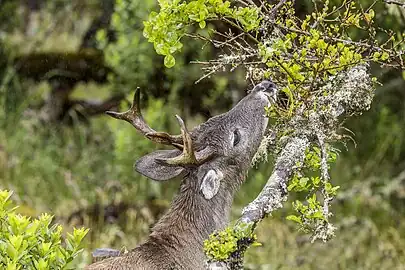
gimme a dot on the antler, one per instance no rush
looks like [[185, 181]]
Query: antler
[[135, 118], [182, 142], [188, 157]]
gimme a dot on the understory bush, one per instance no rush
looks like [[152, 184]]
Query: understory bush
[[27, 243]]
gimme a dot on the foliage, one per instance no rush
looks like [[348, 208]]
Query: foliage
[[130, 56], [166, 28], [34, 244], [64, 170], [307, 58], [311, 214], [136, 64], [223, 244], [360, 244], [8, 7], [308, 53]]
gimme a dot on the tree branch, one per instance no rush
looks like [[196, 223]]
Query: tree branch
[[349, 93], [275, 191], [270, 198]]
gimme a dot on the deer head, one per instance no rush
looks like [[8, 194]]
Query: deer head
[[223, 145]]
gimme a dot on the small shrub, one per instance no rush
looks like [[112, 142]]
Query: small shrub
[[27, 243]]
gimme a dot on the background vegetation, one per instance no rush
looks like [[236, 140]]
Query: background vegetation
[[63, 62]]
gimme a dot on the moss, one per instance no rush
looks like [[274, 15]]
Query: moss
[[230, 244]]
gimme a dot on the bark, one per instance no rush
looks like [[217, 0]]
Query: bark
[[275, 191]]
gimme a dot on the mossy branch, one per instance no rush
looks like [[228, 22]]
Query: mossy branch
[[349, 93]]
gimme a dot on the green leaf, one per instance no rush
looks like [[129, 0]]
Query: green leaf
[[316, 180], [169, 61], [202, 24], [256, 244], [385, 56], [376, 56], [12, 266], [34, 244], [318, 215], [304, 181], [370, 15], [292, 186], [294, 218]]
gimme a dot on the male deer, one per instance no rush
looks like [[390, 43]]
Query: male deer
[[213, 159]]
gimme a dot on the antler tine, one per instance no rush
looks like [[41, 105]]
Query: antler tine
[[135, 118], [133, 115], [187, 157]]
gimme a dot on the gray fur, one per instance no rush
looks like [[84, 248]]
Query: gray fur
[[176, 241]]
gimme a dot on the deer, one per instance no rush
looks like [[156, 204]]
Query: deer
[[212, 159]]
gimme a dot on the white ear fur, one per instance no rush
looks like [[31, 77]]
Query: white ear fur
[[210, 183]]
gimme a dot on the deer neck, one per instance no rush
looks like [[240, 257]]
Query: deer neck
[[192, 218]]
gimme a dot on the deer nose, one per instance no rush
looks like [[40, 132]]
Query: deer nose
[[267, 86]]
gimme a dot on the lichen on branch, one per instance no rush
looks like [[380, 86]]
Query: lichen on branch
[[307, 147]]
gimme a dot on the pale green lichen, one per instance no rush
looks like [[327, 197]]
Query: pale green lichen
[[263, 150]]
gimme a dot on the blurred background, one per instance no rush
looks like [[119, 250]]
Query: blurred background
[[64, 62]]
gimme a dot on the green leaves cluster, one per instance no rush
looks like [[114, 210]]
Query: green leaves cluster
[[309, 213], [220, 245], [299, 184], [166, 28], [308, 180], [27, 243], [312, 165], [309, 51]]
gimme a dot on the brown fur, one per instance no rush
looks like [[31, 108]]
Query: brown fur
[[176, 241]]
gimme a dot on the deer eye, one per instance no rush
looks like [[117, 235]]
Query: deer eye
[[236, 137]]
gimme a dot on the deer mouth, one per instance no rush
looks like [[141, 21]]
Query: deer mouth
[[269, 89], [271, 96]]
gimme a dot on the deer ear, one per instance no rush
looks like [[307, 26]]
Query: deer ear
[[210, 183], [151, 168]]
